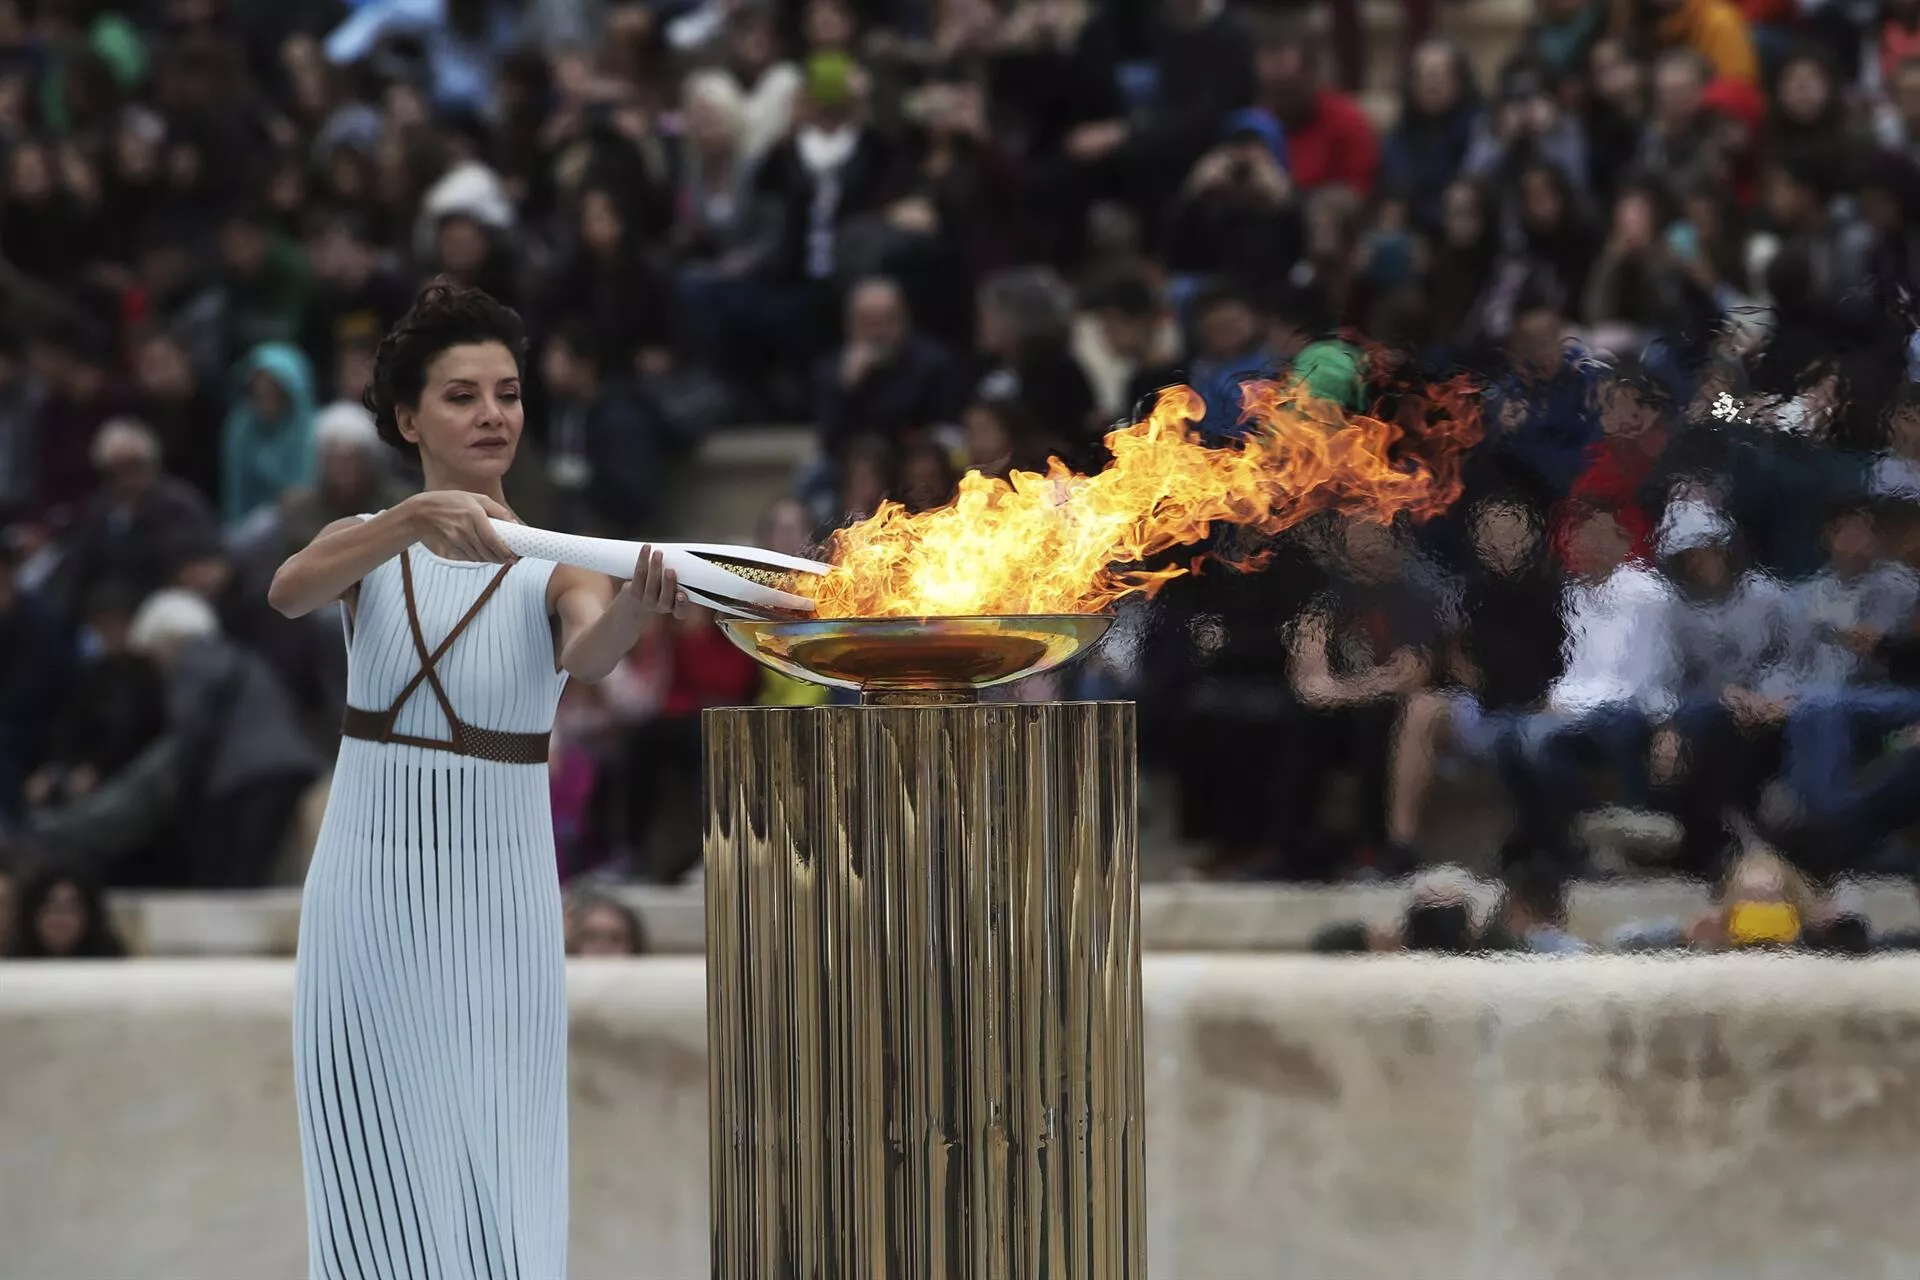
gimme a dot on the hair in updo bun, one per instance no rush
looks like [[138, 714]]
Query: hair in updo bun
[[444, 315]]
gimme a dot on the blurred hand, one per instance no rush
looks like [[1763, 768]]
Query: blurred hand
[[454, 525], [39, 786], [1094, 141], [82, 780], [655, 586], [654, 362], [1212, 171], [856, 363]]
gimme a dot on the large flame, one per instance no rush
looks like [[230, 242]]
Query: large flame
[[1062, 543]]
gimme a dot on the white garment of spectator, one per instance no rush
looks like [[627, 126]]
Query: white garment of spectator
[[1619, 650], [1747, 637], [766, 108], [470, 188], [1827, 606]]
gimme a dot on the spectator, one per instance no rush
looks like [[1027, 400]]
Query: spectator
[[1236, 215], [1364, 647], [70, 361], [604, 440], [356, 296], [1502, 657], [1616, 684], [607, 284], [926, 478], [32, 682], [1712, 28], [235, 729], [766, 86], [139, 527], [1001, 438], [351, 477], [600, 925], [1439, 113], [1329, 140], [1131, 338], [266, 446], [1850, 610], [114, 711], [63, 916], [1564, 34], [1732, 633], [266, 282], [887, 380], [1542, 415], [1024, 341], [184, 410]]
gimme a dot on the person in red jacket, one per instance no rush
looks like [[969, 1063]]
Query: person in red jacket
[[1633, 436], [1329, 139]]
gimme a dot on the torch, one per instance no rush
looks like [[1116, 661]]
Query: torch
[[741, 582]]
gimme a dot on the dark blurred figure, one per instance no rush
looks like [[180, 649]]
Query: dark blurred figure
[[63, 916], [600, 925], [607, 286], [185, 409], [265, 279], [1439, 110], [1026, 318], [245, 759], [141, 524], [34, 669], [926, 479], [1330, 140], [887, 380], [1366, 644], [116, 708], [1236, 216], [356, 296], [604, 438], [70, 361]]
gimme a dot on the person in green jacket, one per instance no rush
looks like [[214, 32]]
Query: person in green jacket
[[1298, 332], [265, 279]]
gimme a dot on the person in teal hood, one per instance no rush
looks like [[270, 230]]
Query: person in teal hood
[[267, 446]]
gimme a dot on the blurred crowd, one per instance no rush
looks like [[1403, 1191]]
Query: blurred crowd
[[1671, 240]]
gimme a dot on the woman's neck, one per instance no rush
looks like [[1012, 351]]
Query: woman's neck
[[436, 479]]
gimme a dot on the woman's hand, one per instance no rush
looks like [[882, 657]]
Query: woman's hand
[[454, 525], [656, 587]]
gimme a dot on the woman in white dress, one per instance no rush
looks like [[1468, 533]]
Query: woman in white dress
[[430, 1021]]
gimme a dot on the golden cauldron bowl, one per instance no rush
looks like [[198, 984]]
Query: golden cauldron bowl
[[918, 660]]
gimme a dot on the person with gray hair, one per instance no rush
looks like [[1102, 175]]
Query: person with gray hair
[[1025, 331], [139, 524], [244, 760]]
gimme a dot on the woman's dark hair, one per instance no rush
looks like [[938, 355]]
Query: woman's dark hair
[[585, 900], [99, 940], [444, 315]]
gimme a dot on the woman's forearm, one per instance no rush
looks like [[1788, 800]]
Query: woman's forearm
[[333, 563], [597, 648]]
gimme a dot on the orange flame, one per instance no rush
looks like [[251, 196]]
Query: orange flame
[[1057, 543]]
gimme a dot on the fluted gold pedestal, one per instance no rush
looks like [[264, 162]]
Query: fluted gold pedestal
[[923, 993]]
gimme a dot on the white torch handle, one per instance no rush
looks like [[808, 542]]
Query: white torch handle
[[706, 582]]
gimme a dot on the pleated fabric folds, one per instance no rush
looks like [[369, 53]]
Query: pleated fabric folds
[[429, 1035]]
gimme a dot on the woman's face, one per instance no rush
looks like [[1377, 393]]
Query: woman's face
[[462, 243], [1633, 220], [266, 397], [1460, 213], [1436, 81], [600, 225], [603, 931], [829, 26], [925, 482], [62, 919], [469, 417], [30, 176], [1616, 77], [1540, 202], [1805, 91], [988, 443]]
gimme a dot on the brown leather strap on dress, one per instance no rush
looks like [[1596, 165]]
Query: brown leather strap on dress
[[463, 739]]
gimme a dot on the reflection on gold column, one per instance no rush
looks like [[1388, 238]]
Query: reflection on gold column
[[923, 978]]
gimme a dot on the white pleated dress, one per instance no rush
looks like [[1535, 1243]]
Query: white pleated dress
[[430, 1021]]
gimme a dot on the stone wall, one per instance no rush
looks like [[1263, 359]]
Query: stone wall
[[1398, 1119]]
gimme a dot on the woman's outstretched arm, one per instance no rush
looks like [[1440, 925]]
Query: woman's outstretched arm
[[451, 524], [598, 625]]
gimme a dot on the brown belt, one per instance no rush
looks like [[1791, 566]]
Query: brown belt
[[496, 745]]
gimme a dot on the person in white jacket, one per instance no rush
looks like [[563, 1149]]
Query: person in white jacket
[[1617, 686]]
